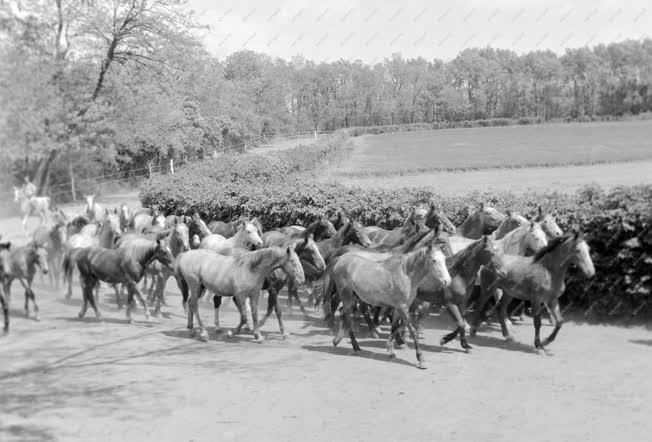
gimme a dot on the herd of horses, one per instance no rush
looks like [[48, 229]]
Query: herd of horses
[[490, 261]]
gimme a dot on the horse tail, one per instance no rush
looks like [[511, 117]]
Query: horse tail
[[67, 265], [181, 282]]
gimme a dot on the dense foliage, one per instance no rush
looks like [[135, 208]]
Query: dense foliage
[[109, 87], [279, 189]]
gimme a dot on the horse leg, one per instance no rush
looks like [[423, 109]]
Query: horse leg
[[374, 331], [377, 311], [217, 301], [91, 299], [404, 312], [243, 316], [253, 301], [27, 296], [25, 223], [502, 317], [293, 292], [139, 296], [32, 296], [393, 335], [537, 327], [454, 313], [551, 317], [556, 313], [85, 286], [5, 312]]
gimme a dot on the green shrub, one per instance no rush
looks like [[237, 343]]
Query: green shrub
[[277, 189]]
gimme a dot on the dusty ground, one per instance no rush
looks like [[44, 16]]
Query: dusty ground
[[66, 379]]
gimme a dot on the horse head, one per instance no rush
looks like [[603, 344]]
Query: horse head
[[292, 266], [251, 232], [163, 254], [39, 256], [548, 224], [308, 250]]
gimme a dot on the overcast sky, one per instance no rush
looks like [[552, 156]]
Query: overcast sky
[[373, 29]]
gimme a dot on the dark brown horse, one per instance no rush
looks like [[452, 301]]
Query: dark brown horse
[[119, 266], [21, 263], [463, 267]]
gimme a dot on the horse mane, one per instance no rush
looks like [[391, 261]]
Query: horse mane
[[461, 256], [251, 260], [139, 249], [413, 240], [552, 245]]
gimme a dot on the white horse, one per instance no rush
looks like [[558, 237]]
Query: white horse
[[94, 211], [246, 235], [33, 205]]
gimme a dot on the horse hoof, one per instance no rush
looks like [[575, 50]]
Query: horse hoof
[[229, 333], [285, 335], [421, 365], [259, 340], [402, 346], [335, 342], [374, 334], [391, 354], [473, 332], [442, 341], [203, 336], [509, 338], [80, 315]]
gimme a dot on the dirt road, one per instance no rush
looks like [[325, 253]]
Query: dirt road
[[66, 379]]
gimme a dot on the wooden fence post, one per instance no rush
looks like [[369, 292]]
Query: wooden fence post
[[150, 168], [315, 135], [172, 166], [214, 154], [72, 182]]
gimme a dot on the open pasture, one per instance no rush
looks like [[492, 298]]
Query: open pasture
[[499, 147]]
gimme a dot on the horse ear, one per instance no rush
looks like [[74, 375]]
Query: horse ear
[[576, 235], [481, 205], [508, 213], [115, 210], [540, 211], [532, 225], [288, 251]]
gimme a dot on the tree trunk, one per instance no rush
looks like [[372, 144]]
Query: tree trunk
[[43, 172], [72, 182]]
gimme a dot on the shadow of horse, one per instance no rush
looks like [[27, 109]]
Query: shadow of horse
[[490, 341], [365, 354], [641, 341]]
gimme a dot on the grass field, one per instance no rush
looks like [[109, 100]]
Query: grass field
[[498, 147]]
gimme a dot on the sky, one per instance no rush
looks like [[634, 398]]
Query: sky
[[372, 30]]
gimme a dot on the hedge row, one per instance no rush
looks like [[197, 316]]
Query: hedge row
[[490, 122], [617, 223]]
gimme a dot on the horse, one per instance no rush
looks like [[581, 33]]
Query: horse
[[435, 217], [240, 276], [538, 279], [513, 220], [148, 220], [94, 211], [105, 238], [178, 242], [463, 267], [5, 269], [391, 282], [391, 238], [480, 222], [320, 229], [548, 224], [53, 238], [197, 229], [119, 266], [421, 239], [552, 230], [32, 205], [21, 263], [125, 216], [311, 260], [247, 235], [229, 229]]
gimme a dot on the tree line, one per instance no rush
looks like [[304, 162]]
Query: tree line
[[90, 87]]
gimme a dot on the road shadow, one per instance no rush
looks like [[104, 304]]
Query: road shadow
[[641, 341], [92, 319], [365, 354], [501, 343], [26, 432], [382, 343]]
